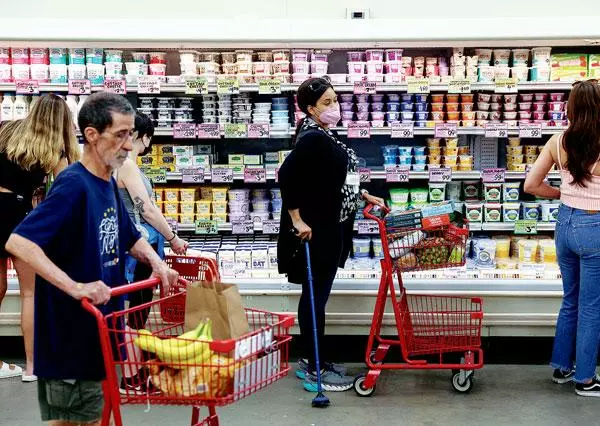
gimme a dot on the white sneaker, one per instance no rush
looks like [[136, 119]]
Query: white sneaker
[[28, 378], [10, 370]]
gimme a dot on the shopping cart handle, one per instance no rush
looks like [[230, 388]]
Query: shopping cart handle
[[369, 207]]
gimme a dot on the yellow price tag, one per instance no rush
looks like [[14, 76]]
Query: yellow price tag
[[228, 86], [418, 85], [196, 86], [506, 85], [459, 86], [269, 86], [157, 175]]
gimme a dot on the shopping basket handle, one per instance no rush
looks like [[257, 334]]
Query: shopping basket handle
[[369, 207]]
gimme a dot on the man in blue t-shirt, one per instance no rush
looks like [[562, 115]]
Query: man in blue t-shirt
[[76, 241]]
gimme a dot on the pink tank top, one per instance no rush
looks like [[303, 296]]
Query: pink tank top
[[575, 196]]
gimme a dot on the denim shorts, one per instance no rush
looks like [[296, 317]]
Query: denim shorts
[[76, 401]]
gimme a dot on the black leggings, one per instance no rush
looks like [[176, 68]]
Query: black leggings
[[137, 319]]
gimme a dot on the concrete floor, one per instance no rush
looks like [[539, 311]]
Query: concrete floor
[[502, 395]]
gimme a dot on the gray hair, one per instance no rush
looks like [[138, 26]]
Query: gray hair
[[97, 110]]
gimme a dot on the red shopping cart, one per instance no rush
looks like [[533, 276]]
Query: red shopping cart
[[430, 328], [183, 370]]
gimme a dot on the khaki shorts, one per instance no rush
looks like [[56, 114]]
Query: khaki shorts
[[77, 401]]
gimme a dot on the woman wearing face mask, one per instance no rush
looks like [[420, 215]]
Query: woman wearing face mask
[[320, 190]]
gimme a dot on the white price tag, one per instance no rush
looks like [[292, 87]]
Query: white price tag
[[496, 130], [506, 85], [367, 227], [242, 227], [365, 175], [417, 85], [530, 131], [459, 86], [365, 87], [27, 87], [403, 130], [222, 175], [446, 130], [192, 175], [357, 130], [148, 85], [440, 174], [270, 227], [397, 174], [80, 87]]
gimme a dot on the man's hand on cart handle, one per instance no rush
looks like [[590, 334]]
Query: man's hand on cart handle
[[167, 275], [96, 292]]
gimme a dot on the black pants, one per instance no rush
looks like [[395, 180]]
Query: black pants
[[137, 319], [325, 251]]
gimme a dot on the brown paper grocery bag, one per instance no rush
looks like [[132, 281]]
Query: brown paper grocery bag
[[221, 303]]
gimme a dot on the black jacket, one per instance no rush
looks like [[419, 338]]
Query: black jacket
[[311, 179]]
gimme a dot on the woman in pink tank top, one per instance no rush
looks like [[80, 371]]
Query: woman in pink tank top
[[576, 154]]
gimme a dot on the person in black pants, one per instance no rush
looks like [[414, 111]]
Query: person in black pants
[[320, 191]]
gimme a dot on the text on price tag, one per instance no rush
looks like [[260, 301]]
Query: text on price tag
[[222, 175], [80, 87], [446, 130], [196, 86], [209, 131], [403, 130], [418, 85], [258, 131], [364, 175], [365, 87], [496, 130], [206, 227], [242, 227], [228, 86], [397, 174], [27, 87], [269, 86], [459, 86], [493, 175], [148, 84], [184, 130], [506, 85], [115, 86], [270, 227], [526, 227], [233, 130], [157, 175], [440, 174], [530, 131], [258, 175], [367, 227], [359, 130], [192, 175]]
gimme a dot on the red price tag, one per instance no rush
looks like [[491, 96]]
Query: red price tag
[[493, 175], [192, 175], [357, 130], [242, 227], [397, 174], [364, 174], [496, 130], [115, 86], [403, 130], [365, 87], [440, 174], [80, 87], [367, 227], [222, 175], [184, 131], [209, 131], [27, 87], [255, 175], [258, 131], [148, 84], [446, 130], [270, 227]]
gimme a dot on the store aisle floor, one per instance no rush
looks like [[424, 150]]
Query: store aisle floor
[[503, 395]]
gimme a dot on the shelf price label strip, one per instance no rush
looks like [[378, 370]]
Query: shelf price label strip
[[493, 175], [269, 86], [148, 85], [222, 175], [205, 227], [235, 131], [228, 86], [506, 85], [27, 87], [242, 227], [526, 227], [418, 85], [365, 87], [209, 131], [196, 86], [192, 175], [530, 131], [258, 175], [115, 86], [270, 227], [258, 131], [496, 130], [397, 174], [157, 175], [446, 130], [367, 227], [459, 86]]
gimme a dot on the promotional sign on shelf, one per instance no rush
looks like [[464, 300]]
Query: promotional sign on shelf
[[446, 130], [27, 87], [365, 87], [196, 86], [526, 227], [530, 131], [496, 130], [359, 130], [403, 130], [228, 86], [270, 86], [148, 85], [440, 174], [115, 86], [209, 131], [397, 173], [157, 175], [459, 86], [258, 131], [364, 174], [367, 227], [242, 227], [506, 85], [418, 85], [493, 175], [222, 175], [270, 227], [184, 131], [235, 131], [80, 87], [192, 175], [255, 175], [206, 227]]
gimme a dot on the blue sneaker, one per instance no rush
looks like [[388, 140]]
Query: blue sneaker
[[338, 369], [330, 382]]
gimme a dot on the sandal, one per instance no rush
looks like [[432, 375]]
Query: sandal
[[10, 370]]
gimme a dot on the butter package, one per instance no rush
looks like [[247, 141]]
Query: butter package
[[187, 219], [201, 160], [166, 160], [271, 157], [272, 256], [187, 207], [237, 168], [203, 207], [171, 207], [187, 194], [437, 209], [202, 149], [260, 257], [183, 161], [219, 218], [154, 150], [219, 194], [572, 60], [165, 149], [255, 160], [159, 194], [219, 207], [147, 160], [183, 150], [206, 192], [236, 159], [171, 194]]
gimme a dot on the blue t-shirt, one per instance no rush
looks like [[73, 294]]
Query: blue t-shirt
[[83, 228]]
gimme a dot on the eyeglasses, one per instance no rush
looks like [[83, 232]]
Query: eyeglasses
[[123, 135], [591, 80]]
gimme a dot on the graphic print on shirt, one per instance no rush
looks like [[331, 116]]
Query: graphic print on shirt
[[108, 232]]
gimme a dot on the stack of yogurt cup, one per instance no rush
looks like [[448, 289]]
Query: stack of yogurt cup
[[138, 66], [462, 66], [210, 114], [113, 64], [94, 59], [261, 113], [5, 68], [158, 64], [281, 65], [300, 65], [245, 67], [520, 64], [188, 60], [20, 63], [280, 112], [241, 109], [276, 203], [239, 204], [540, 63], [260, 205]]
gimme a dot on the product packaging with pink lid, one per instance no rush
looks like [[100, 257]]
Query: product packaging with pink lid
[[39, 56], [320, 55], [393, 55], [356, 67], [4, 55], [374, 55], [374, 67], [318, 67], [355, 56], [301, 67], [5, 73], [300, 55]]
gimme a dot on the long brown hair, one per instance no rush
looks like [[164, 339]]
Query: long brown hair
[[43, 138], [581, 140]]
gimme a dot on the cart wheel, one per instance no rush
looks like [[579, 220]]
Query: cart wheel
[[464, 387], [373, 360], [360, 389]]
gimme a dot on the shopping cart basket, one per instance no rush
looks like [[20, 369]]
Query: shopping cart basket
[[431, 329], [208, 373]]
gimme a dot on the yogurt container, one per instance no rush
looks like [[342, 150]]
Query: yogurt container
[[418, 195], [492, 212], [77, 72], [58, 56], [550, 212], [492, 191], [541, 56], [58, 73], [113, 55], [510, 191], [437, 192], [474, 212], [531, 210], [520, 56], [510, 212], [361, 246], [399, 195]]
